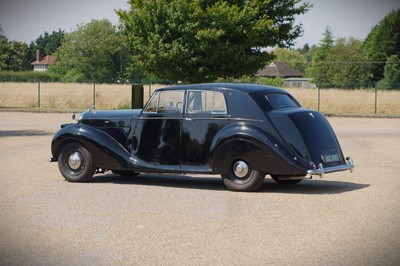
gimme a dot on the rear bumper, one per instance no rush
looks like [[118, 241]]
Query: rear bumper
[[337, 168]]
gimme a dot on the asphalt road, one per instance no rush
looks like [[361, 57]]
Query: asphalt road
[[343, 219]]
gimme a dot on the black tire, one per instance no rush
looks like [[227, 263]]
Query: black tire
[[249, 179], [125, 173], [76, 163], [277, 179]]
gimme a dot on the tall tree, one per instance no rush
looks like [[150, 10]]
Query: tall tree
[[201, 40], [90, 53], [325, 45], [383, 41], [391, 78], [346, 64], [12, 55], [293, 58], [318, 69], [340, 63], [46, 43]]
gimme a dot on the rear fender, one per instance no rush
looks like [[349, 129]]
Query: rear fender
[[107, 153], [258, 148]]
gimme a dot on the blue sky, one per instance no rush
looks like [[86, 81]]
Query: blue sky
[[25, 20]]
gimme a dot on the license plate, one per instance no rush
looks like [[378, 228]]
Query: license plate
[[331, 158]]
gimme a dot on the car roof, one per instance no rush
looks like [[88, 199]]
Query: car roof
[[243, 87]]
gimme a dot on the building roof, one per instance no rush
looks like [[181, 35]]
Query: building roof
[[47, 60], [279, 70]]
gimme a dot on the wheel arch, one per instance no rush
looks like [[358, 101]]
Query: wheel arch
[[255, 146], [106, 152]]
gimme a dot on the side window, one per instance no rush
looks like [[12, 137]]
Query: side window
[[166, 102], [210, 102]]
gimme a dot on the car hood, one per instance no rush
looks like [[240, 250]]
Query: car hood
[[113, 118], [308, 135]]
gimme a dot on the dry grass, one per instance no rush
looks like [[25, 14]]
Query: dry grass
[[338, 101], [68, 96], [72, 96]]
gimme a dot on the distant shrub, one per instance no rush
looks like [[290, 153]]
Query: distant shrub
[[276, 82], [27, 76]]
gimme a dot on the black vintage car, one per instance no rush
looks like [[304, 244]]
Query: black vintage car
[[240, 131]]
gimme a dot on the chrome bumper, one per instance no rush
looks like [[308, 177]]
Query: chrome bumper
[[337, 168]]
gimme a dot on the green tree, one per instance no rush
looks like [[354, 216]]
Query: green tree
[[305, 49], [12, 55], [391, 78], [46, 43], [383, 41], [201, 40], [318, 69], [90, 53], [347, 65], [340, 63], [293, 58]]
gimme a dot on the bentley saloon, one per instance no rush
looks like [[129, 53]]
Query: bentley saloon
[[242, 132]]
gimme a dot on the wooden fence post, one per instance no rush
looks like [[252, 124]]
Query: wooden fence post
[[137, 96]]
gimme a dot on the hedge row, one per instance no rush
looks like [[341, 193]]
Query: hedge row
[[27, 76]]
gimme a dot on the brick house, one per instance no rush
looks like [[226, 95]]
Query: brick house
[[279, 70], [42, 64]]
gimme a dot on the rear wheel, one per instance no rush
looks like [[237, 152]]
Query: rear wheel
[[242, 177], [281, 179], [75, 163]]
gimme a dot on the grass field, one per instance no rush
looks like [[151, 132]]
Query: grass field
[[73, 96]]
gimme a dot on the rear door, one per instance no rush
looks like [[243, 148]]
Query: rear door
[[205, 114]]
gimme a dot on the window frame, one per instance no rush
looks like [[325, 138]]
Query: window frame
[[158, 94], [212, 111], [288, 96]]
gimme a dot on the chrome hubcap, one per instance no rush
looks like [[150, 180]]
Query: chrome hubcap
[[240, 169], [75, 161]]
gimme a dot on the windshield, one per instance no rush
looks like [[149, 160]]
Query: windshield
[[278, 101]]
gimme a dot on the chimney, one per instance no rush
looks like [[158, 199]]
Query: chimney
[[37, 55]]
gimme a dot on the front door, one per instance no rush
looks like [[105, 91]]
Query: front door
[[157, 134]]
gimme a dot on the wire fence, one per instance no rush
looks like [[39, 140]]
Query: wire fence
[[81, 96]]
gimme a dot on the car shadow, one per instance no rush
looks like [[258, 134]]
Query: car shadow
[[312, 187], [215, 183], [163, 180]]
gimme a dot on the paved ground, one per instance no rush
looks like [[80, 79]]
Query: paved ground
[[344, 219]]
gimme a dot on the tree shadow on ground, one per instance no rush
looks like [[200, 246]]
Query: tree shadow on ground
[[23, 133], [215, 183]]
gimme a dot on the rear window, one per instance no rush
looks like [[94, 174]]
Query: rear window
[[278, 101]]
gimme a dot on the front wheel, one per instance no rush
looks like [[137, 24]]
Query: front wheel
[[242, 177], [75, 163]]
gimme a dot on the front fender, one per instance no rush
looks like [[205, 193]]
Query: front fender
[[257, 147], [107, 153]]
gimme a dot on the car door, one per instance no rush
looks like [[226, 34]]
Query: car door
[[205, 114], [158, 130]]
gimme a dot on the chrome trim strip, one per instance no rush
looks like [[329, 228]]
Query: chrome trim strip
[[337, 168]]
